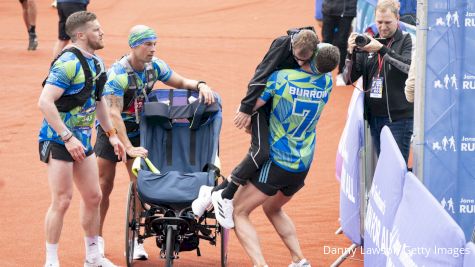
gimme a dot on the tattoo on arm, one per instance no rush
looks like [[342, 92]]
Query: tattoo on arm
[[116, 102]]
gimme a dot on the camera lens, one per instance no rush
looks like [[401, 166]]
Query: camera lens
[[362, 40]]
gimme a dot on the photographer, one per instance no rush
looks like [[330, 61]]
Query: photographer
[[383, 62]]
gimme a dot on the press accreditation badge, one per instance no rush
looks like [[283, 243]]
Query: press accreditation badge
[[377, 88]]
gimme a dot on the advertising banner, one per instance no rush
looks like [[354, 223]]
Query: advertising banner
[[449, 130], [416, 240], [348, 169], [384, 198]]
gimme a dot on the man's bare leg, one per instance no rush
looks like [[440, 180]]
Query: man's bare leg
[[246, 200], [60, 178], [107, 170], [283, 224], [86, 178]]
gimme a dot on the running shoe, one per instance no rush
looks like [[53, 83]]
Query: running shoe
[[223, 209], [99, 262], [199, 205], [301, 263]]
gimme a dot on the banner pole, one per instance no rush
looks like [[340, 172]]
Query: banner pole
[[420, 86]]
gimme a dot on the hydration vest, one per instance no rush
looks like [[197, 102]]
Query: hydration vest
[[133, 87], [68, 102]]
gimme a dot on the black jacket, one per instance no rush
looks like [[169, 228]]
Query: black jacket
[[278, 57], [344, 8], [396, 62]]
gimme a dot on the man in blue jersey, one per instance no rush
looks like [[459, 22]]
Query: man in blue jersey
[[298, 98], [129, 80], [69, 101], [285, 52]]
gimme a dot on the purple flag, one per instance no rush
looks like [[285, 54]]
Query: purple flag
[[469, 255], [384, 198], [348, 169], [423, 234]]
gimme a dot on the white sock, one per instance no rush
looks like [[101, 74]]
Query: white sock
[[52, 253], [101, 243], [92, 248]]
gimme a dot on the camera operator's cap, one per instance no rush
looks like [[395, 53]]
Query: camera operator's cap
[[313, 62], [141, 34]]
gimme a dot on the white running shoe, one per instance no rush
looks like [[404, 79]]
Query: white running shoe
[[99, 262], [54, 4], [49, 264], [223, 209], [301, 263], [101, 243], [139, 251], [199, 205], [339, 80]]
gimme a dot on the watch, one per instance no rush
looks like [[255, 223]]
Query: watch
[[111, 132], [198, 85]]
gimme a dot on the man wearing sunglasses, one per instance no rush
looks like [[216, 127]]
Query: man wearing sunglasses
[[129, 80], [286, 52]]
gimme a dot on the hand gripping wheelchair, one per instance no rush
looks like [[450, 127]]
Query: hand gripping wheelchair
[[182, 137]]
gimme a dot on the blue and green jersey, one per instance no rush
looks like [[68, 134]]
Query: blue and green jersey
[[298, 98], [66, 73], [118, 82]]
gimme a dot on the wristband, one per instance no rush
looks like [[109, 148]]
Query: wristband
[[64, 134], [111, 132], [198, 85], [69, 138]]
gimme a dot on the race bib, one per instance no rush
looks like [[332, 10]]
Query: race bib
[[377, 88]]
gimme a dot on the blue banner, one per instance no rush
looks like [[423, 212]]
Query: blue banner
[[449, 130], [417, 240], [384, 198], [348, 169], [318, 9]]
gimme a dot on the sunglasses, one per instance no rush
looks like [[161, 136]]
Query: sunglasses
[[301, 59]]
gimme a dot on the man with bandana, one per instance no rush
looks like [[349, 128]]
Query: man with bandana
[[129, 80]]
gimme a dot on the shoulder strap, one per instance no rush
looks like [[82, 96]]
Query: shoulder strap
[[150, 76], [67, 102], [101, 78], [130, 73], [82, 61]]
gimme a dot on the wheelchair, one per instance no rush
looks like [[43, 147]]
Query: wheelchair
[[182, 137]]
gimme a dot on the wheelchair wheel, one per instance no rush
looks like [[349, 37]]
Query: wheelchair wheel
[[170, 246], [224, 246], [130, 226]]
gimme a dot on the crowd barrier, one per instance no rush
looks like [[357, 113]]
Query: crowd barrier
[[404, 224]]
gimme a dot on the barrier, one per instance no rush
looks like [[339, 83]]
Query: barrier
[[452, 24], [348, 157], [348, 172], [416, 240], [469, 257], [384, 198]]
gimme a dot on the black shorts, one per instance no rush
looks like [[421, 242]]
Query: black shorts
[[64, 11], [105, 150], [56, 151], [272, 178]]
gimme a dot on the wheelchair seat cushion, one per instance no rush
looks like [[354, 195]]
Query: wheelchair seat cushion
[[172, 187]]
